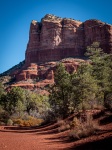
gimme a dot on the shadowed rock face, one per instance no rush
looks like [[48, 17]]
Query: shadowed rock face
[[56, 38]]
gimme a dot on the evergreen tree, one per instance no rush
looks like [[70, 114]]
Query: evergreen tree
[[1, 90], [101, 68], [84, 86], [13, 99], [60, 92], [35, 102]]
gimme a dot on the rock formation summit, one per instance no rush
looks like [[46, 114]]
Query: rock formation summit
[[58, 39], [55, 38]]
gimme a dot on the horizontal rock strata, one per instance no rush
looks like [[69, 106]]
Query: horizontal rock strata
[[55, 38]]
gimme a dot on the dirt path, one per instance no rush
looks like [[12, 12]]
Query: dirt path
[[30, 140], [44, 139], [48, 138]]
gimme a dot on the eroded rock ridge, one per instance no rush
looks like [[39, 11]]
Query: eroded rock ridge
[[55, 38]]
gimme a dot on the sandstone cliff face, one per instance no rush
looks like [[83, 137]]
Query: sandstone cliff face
[[38, 76], [55, 38], [98, 31]]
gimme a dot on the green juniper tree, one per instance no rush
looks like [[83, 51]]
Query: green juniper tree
[[2, 93], [15, 100], [101, 69], [84, 86], [60, 92]]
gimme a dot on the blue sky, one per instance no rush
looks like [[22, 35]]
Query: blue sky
[[16, 16]]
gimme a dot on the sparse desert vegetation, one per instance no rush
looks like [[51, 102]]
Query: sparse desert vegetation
[[78, 107]]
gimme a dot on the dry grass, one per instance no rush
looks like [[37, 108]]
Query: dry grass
[[63, 125], [81, 127], [31, 121]]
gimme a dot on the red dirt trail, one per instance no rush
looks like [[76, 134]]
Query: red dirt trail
[[48, 138], [30, 140]]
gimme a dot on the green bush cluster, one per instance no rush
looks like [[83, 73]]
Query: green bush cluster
[[17, 102], [87, 88]]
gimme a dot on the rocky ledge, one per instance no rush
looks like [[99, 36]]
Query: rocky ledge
[[39, 77]]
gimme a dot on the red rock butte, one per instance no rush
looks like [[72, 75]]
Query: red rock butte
[[55, 38], [58, 39]]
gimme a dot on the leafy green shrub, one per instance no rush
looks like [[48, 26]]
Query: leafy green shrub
[[4, 116], [9, 122]]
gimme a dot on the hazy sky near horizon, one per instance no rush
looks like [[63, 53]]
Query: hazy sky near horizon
[[16, 16]]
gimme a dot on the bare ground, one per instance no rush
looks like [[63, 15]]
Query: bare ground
[[47, 137]]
